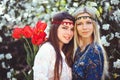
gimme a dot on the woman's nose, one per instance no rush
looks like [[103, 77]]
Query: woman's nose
[[69, 32], [84, 26]]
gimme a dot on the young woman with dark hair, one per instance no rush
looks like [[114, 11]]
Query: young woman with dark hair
[[54, 58]]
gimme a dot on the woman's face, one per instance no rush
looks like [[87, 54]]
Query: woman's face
[[84, 25], [65, 32]]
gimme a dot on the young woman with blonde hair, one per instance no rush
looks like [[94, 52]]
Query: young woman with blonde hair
[[90, 59]]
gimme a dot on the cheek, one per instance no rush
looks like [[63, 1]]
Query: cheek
[[92, 28], [72, 32], [79, 29], [58, 33]]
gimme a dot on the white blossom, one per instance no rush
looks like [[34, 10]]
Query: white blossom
[[53, 13], [7, 34], [4, 2], [0, 39], [11, 70], [47, 17], [116, 15], [69, 1], [71, 10], [29, 71], [104, 41], [12, 1], [105, 26], [4, 21], [11, 13], [13, 78], [25, 15], [28, 6], [111, 36], [116, 64], [40, 9], [2, 56], [2, 8], [7, 16], [48, 6], [75, 4], [115, 2], [9, 75], [117, 34], [1, 25], [8, 56], [54, 9], [41, 1], [34, 3], [18, 18], [3, 65], [89, 3], [107, 5], [29, 21]]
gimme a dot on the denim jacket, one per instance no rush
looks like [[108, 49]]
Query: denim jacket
[[88, 65]]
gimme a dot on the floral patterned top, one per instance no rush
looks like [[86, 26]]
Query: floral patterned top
[[43, 68], [88, 65]]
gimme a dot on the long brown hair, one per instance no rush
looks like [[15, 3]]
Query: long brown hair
[[53, 39]]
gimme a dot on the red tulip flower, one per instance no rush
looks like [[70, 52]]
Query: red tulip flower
[[17, 33], [40, 27], [27, 32], [38, 39]]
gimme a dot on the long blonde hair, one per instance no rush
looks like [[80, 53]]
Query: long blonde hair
[[96, 35]]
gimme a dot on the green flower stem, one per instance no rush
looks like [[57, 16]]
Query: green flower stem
[[28, 45], [35, 48], [30, 53]]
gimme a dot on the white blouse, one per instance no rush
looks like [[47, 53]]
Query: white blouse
[[43, 68]]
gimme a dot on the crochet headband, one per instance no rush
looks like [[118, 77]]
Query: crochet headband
[[84, 17], [61, 22]]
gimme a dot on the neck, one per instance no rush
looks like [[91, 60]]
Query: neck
[[60, 46], [84, 42]]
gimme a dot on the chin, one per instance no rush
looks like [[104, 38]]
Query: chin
[[66, 42]]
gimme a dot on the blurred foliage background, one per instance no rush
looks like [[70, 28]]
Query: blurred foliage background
[[21, 12]]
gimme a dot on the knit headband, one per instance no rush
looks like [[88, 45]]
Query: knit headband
[[85, 17], [61, 22]]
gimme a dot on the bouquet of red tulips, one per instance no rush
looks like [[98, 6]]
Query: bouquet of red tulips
[[34, 36]]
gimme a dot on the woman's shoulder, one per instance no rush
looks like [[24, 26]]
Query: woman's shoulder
[[46, 45], [95, 50], [46, 48], [96, 46]]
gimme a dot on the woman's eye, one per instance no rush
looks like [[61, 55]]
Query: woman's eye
[[89, 22], [79, 24], [64, 27]]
